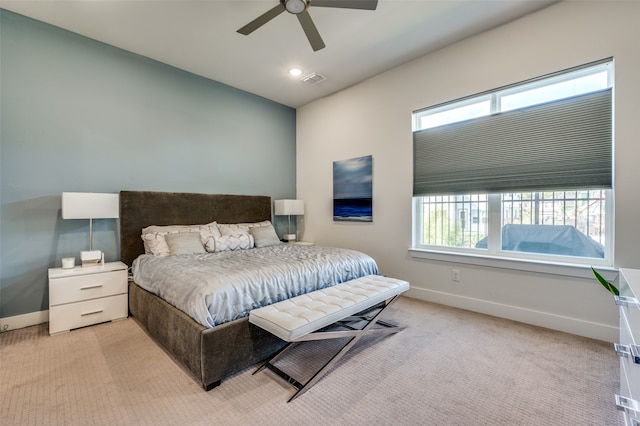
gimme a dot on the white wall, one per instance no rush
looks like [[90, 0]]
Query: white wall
[[374, 118]]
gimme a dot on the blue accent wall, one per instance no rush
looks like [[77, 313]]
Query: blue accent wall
[[79, 115]]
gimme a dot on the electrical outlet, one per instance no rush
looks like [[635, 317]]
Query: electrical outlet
[[455, 275]]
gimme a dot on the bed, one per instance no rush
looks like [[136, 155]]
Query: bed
[[212, 348]]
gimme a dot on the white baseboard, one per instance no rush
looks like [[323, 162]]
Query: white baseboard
[[25, 320], [592, 330], [583, 328]]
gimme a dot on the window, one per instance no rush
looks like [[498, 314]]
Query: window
[[454, 113], [522, 171], [454, 220], [549, 223], [545, 89]]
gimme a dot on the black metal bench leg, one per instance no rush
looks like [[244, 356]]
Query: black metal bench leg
[[318, 375], [275, 357]]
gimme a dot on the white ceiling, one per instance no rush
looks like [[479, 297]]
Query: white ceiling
[[200, 36]]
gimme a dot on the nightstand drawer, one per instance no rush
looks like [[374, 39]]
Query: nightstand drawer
[[628, 400], [81, 314], [85, 287], [631, 370]]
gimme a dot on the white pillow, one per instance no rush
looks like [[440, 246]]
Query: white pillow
[[184, 243], [155, 244], [209, 230], [154, 241], [239, 228], [229, 242], [233, 228]]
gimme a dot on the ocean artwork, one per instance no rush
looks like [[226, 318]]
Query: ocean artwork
[[353, 189]]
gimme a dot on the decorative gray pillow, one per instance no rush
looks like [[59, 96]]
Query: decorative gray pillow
[[240, 228], [184, 243], [264, 236]]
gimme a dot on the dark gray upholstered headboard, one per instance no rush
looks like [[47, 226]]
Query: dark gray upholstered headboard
[[139, 209]]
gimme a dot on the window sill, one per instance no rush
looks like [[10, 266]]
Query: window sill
[[541, 267]]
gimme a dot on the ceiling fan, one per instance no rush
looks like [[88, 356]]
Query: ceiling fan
[[299, 8]]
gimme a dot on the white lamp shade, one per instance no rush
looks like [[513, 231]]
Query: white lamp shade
[[289, 207], [90, 205]]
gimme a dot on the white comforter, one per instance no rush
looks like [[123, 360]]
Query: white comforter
[[214, 288]]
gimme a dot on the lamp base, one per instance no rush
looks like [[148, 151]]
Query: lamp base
[[92, 258], [289, 237]]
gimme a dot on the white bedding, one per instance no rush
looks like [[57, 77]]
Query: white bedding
[[215, 288]]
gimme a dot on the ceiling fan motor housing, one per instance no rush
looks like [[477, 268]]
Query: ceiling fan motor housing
[[295, 6]]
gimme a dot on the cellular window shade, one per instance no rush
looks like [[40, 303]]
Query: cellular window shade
[[563, 144]]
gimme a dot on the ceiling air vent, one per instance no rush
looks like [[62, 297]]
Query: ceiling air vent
[[312, 78]]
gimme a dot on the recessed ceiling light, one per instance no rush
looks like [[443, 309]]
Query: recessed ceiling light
[[295, 72]]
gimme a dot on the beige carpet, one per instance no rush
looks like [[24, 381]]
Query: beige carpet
[[449, 367]]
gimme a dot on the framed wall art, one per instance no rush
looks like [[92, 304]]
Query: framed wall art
[[353, 189]]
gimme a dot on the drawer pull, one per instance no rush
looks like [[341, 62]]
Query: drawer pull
[[91, 313], [623, 403], [623, 351], [635, 353], [626, 301], [91, 286]]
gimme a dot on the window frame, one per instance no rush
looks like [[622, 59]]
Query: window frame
[[494, 253], [495, 95]]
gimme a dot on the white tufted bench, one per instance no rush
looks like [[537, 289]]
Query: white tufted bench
[[308, 317]]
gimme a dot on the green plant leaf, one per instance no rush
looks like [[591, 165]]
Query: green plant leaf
[[606, 284]]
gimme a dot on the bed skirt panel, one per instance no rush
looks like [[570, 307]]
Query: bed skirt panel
[[234, 346], [172, 328], [210, 354]]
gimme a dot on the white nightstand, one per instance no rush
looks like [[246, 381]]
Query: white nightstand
[[84, 296]]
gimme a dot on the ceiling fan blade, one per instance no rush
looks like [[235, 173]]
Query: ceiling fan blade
[[262, 19], [346, 4], [310, 31]]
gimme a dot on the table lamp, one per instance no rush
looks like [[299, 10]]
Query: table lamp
[[289, 208], [90, 205]]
